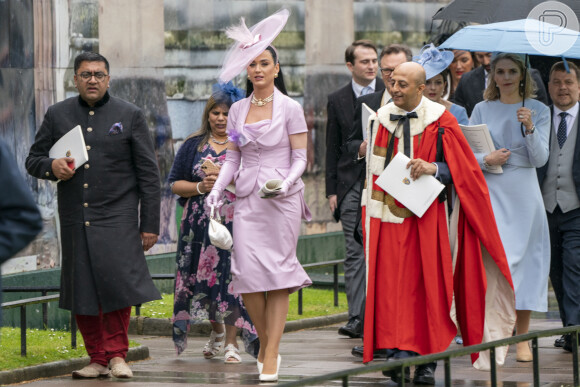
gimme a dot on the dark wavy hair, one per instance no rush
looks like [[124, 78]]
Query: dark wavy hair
[[278, 82], [204, 131]]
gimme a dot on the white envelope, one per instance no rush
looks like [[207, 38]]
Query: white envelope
[[416, 195], [72, 145]]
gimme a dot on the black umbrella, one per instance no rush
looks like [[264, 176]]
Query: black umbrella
[[491, 11]]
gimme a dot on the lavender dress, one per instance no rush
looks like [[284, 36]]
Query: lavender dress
[[266, 230]]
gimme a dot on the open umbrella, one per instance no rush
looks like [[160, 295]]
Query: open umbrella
[[490, 11], [526, 36]]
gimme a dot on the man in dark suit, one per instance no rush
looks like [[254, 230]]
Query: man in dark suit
[[391, 56], [20, 219], [108, 210], [342, 173], [469, 91], [560, 183]]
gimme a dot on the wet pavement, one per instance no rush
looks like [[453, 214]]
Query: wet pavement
[[314, 352]]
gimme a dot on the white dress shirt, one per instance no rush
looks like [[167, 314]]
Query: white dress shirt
[[570, 118]]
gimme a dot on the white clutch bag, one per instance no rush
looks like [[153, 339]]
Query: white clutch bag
[[270, 188], [219, 235]]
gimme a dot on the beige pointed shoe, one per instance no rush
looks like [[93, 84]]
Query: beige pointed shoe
[[523, 352], [119, 368], [91, 371]]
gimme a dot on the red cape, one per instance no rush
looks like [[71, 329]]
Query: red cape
[[411, 283]]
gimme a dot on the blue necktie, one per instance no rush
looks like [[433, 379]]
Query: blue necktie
[[562, 129], [366, 90]]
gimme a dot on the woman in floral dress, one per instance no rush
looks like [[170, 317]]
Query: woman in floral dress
[[202, 284]]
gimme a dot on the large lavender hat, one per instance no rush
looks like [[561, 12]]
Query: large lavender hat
[[249, 43], [433, 60]]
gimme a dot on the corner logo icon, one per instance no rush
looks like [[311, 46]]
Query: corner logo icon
[[557, 31]]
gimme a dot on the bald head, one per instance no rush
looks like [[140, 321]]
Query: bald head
[[413, 70], [407, 85]]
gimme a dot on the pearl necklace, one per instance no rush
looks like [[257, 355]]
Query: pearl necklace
[[261, 102], [219, 142]]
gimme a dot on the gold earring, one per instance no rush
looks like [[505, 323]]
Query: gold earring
[[276, 75], [248, 77]]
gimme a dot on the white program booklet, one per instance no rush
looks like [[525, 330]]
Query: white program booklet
[[480, 141], [72, 145], [416, 195], [367, 112]]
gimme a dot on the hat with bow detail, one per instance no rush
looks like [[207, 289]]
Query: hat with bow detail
[[249, 43], [433, 60]]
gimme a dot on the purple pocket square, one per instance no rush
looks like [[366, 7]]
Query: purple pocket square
[[116, 129]]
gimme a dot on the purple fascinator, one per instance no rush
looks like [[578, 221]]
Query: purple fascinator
[[227, 92], [433, 60], [250, 42]]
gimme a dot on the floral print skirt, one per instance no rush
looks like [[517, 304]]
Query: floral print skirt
[[202, 281]]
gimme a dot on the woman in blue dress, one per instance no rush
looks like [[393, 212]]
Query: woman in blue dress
[[520, 135], [202, 284]]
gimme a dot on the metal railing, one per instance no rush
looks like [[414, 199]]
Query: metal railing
[[41, 289], [448, 355], [307, 266], [318, 265], [44, 299], [22, 304]]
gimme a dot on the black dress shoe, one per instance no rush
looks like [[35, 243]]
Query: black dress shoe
[[357, 351], [568, 342], [352, 329], [559, 343], [395, 375], [424, 374]]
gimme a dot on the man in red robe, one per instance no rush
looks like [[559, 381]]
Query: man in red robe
[[414, 272]]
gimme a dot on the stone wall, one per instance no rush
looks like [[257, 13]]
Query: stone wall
[[165, 56]]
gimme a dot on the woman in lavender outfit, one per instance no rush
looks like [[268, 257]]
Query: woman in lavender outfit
[[270, 136]]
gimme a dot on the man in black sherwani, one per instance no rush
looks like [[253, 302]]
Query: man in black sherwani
[[108, 210]]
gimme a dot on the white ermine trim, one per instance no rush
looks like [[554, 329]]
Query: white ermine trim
[[428, 113]]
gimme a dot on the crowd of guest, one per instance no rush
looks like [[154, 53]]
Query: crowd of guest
[[533, 201], [481, 255]]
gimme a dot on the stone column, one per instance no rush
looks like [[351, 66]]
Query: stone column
[[131, 37], [329, 29], [47, 245]]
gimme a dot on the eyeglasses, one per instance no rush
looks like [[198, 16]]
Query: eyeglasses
[[386, 70], [99, 76]]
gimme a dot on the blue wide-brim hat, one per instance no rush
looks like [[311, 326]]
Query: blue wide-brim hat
[[433, 60]]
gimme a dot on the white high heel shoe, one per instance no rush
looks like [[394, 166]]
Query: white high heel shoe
[[271, 377]]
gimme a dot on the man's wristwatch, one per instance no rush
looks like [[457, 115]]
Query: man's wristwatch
[[531, 130]]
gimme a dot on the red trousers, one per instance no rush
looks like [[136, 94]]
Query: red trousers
[[105, 335]]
